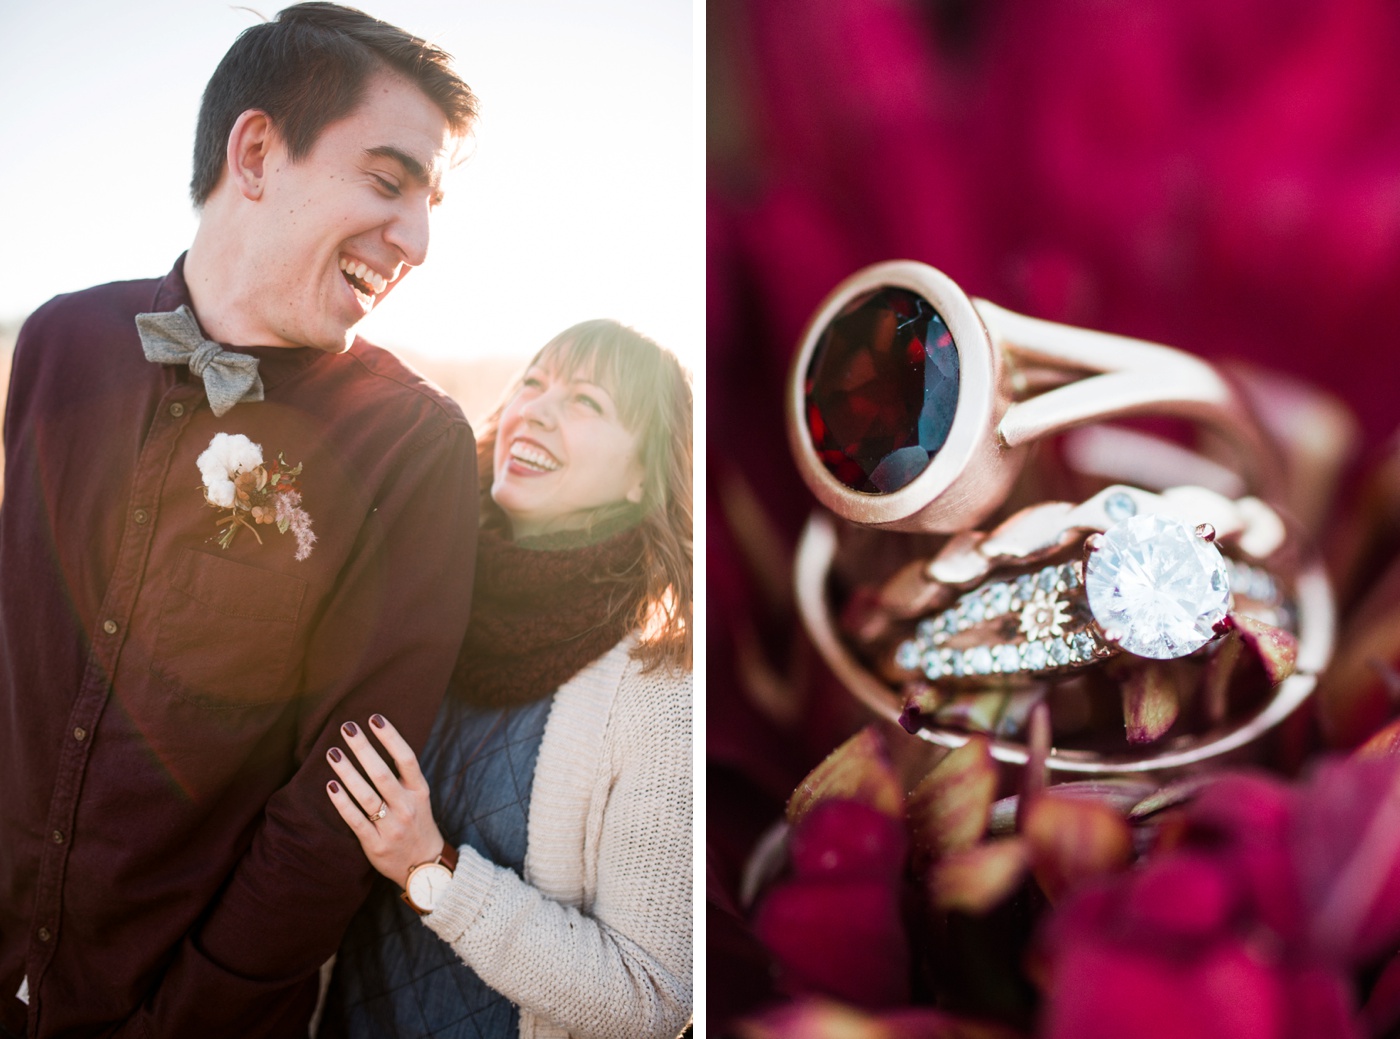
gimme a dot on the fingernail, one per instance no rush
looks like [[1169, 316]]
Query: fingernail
[[350, 729], [377, 720], [333, 786], [335, 754]]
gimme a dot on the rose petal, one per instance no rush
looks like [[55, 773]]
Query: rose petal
[[1275, 648], [858, 770], [848, 839], [1101, 990], [975, 880], [1151, 701], [949, 809], [1074, 840], [820, 1019], [841, 938]]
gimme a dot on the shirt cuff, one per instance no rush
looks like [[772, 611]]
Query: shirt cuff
[[465, 899]]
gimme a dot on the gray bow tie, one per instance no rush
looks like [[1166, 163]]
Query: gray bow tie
[[174, 338]]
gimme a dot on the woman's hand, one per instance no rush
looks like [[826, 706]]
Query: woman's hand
[[393, 818]]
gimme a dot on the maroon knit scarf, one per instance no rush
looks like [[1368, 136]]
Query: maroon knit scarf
[[540, 612]]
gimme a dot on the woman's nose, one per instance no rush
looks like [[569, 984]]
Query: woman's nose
[[541, 410]]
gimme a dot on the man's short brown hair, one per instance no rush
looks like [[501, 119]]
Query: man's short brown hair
[[308, 68]]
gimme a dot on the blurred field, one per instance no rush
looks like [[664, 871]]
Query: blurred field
[[476, 385]]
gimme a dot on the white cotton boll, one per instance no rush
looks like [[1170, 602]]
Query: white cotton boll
[[219, 493], [227, 455]]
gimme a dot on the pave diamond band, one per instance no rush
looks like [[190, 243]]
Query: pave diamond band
[[1043, 622]]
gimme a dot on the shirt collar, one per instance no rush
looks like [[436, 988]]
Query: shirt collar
[[276, 364]]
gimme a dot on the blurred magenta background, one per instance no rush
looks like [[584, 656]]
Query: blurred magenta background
[[1219, 175]]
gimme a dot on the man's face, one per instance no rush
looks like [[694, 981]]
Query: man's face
[[337, 230]]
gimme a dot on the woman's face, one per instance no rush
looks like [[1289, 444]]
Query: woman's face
[[561, 453]]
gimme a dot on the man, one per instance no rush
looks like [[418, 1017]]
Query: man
[[180, 642]]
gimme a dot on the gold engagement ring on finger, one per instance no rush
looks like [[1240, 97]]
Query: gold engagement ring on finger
[[383, 811]]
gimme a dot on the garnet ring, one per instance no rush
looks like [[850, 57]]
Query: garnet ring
[[912, 406]]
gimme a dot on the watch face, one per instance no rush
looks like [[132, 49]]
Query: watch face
[[427, 884]]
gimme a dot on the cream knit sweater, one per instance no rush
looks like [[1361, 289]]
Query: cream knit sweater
[[596, 940]]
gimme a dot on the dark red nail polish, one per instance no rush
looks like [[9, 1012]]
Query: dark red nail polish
[[335, 754], [377, 720], [335, 787], [350, 729]]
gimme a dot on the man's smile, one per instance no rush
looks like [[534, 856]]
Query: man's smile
[[363, 279]]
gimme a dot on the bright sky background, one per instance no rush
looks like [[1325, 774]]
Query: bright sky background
[[583, 197]]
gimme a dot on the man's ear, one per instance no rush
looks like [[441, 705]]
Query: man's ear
[[249, 142]]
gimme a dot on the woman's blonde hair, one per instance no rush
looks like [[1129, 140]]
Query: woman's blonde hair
[[654, 401]]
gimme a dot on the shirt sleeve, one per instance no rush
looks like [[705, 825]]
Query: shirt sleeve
[[385, 642], [623, 967]]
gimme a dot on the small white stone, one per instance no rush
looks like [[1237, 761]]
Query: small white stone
[[972, 610], [998, 599], [932, 663], [906, 656], [979, 660], [1025, 588], [1059, 651], [1082, 645], [1157, 586], [1119, 507], [1006, 659]]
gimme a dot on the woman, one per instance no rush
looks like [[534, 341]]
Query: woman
[[557, 775]]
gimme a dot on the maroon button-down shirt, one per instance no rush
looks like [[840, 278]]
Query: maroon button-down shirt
[[170, 864]]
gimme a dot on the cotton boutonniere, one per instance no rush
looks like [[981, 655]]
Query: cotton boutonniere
[[236, 478]]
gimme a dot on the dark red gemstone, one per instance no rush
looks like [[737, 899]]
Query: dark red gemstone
[[882, 388]]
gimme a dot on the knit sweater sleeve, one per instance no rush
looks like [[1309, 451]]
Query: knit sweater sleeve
[[620, 966]]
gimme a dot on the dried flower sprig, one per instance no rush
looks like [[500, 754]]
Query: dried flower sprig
[[236, 478]]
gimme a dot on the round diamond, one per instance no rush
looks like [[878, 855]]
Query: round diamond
[[1157, 586], [933, 664], [907, 655], [1006, 659], [998, 600], [1119, 507], [1034, 657], [881, 390], [972, 610], [979, 660]]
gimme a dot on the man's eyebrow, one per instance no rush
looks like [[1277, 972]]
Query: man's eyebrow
[[411, 166]]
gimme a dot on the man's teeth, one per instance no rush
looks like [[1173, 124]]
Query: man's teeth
[[359, 271], [532, 457]]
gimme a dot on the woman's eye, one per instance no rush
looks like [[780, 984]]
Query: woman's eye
[[589, 402], [531, 382]]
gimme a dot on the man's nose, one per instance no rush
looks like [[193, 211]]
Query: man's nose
[[409, 233]]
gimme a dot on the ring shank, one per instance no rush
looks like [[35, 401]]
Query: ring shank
[[1316, 633], [1134, 377]]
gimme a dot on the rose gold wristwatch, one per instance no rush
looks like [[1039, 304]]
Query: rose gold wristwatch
[[427, 882]]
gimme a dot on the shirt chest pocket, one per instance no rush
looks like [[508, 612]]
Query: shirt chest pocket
[[226, 633]]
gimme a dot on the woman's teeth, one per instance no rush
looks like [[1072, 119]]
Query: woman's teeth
[[533, 458], [371, 283]]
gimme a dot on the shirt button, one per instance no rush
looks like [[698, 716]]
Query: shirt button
[[176, 410], [80, 734], [140, 516], [110, 627], [58, 836], [44, 934]]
